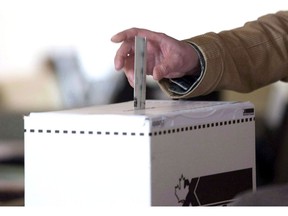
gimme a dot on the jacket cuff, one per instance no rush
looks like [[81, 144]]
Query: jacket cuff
[[182, 86]]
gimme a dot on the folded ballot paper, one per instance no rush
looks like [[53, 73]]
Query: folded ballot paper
[[172, 153]]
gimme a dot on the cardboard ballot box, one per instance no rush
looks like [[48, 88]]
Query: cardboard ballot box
[[172, 153]]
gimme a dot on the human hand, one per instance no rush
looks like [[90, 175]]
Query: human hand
[[166, 56]]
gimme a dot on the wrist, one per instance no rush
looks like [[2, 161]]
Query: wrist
[[199, 64]]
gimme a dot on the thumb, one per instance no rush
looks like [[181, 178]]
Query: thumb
[[160, 71]]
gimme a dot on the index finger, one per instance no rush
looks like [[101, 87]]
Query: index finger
[[125, 35], [130, 34]]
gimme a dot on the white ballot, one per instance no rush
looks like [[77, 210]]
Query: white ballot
[[140, 73], [172, 153]]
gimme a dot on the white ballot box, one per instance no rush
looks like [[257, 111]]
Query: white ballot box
[[172, 153]]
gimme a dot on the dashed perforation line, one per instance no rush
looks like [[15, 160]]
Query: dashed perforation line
[[154, 133]]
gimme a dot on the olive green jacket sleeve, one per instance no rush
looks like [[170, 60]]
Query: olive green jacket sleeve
[[242, 59]]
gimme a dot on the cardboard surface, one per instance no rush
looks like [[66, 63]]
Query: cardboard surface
[[172, 153]]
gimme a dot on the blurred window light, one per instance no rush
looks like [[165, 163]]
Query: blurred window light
[[32, 28]]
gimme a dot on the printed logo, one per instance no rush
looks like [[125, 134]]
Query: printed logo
[[216, 189], [182, 189]]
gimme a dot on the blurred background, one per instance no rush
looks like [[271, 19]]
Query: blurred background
[[57, 54]]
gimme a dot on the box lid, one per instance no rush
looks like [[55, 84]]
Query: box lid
[[158, 113]]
